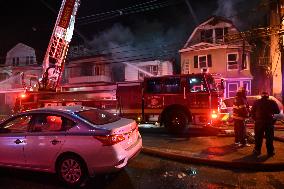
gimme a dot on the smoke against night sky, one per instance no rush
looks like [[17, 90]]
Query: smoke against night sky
[[150, 31], [244, 14]]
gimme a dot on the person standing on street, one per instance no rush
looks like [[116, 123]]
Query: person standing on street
[[262, 113], [240, 114]]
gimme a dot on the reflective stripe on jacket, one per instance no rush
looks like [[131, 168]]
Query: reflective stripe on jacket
[[240, 109]]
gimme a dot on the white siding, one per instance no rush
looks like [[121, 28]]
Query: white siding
[[132, 69], [20, 51]]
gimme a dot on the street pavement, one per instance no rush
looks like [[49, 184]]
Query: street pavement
[[217, 150]]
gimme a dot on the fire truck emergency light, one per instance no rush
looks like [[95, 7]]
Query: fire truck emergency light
[[23, 95], [214, 114]]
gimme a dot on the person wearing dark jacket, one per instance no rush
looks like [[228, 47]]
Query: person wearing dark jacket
[[240, 114], [262, 113]]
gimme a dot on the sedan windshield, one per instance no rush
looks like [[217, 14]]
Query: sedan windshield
[[98, 117]]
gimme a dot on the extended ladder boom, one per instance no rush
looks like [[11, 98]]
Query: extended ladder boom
[[54, 59]]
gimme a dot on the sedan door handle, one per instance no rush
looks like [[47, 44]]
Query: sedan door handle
[[18, 141], [54, 142]]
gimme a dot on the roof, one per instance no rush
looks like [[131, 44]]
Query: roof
[[211, 21]]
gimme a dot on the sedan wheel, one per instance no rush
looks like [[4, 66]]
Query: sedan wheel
[[71, 170]]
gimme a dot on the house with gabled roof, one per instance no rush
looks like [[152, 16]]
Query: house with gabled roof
[[215, 46]]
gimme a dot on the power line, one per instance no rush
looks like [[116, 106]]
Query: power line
[[143, 7]]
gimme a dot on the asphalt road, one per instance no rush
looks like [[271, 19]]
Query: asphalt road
[[147, 172]]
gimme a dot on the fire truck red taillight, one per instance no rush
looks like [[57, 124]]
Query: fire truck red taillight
[[108, 140], [214, 114]]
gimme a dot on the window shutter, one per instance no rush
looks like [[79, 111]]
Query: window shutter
[[195, 61], [209, 60]]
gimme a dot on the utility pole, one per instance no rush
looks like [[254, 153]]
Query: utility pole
[[280, 6], [192, 12]]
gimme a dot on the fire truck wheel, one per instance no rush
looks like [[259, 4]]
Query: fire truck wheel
[[176, 121]]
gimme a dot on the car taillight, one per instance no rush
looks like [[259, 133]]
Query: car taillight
[[109, 140], [214, 114]]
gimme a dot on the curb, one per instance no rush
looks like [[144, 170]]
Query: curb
[[218, 163]]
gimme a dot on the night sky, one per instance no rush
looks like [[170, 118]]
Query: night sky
[[160, 22]]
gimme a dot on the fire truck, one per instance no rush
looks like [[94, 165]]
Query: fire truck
[[173, 101]]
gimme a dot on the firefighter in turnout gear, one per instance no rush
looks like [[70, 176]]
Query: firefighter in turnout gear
[[262, 113], [240, 114]]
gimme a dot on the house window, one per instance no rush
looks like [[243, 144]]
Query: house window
[[246, 85], [87, 70], [141, 75], [202, 61], [220, 33], [27, 60], [97, 70], [232, 89], [154, 69], [31, 60], [207, 36], [232, 61], [17, 61], [14, 61]]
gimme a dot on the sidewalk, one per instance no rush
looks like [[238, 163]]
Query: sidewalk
[[212, 150]]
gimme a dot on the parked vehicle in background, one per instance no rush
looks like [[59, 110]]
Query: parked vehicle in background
[[229, 102], [73, 141]]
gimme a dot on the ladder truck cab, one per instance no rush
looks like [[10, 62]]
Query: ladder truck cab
[[175, 101]]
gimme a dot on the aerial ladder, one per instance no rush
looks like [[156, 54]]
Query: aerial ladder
[[54, 60]]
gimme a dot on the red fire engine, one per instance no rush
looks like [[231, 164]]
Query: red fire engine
[[175, 101]]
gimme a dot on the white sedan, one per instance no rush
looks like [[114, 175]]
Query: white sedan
[[73, 141]]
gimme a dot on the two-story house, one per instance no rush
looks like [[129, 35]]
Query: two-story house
[[210, 48], [20, 59], [81, 73]]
